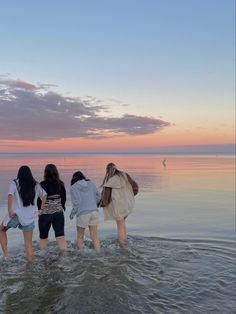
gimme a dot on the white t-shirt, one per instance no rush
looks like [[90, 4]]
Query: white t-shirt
[[28, 214]]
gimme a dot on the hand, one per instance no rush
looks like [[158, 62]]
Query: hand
[[11, 213], [71, 216], [40, 211], [73, 213]]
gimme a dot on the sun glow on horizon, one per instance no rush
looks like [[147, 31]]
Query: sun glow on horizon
[[115, 81]]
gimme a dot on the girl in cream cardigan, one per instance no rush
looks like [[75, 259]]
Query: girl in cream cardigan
[[118, 198]]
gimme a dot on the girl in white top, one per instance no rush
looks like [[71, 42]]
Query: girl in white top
[[22, 209]]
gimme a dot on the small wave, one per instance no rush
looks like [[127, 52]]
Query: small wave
[[150, 275]]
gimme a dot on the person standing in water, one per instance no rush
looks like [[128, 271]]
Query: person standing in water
[[118, 198], [52, 213], [22, 209], [85, 198]]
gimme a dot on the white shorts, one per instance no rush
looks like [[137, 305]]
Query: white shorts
[[86, 220]]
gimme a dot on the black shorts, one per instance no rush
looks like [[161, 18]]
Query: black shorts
[[57, 221]]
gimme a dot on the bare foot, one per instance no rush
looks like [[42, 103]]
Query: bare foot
[[7, 258]]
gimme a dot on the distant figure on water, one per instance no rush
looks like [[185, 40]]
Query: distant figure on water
[[118, 198], [52, 213], [85, 198], [164, 162], [22, 209]]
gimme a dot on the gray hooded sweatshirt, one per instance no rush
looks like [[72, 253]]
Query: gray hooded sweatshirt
[[85, 197]]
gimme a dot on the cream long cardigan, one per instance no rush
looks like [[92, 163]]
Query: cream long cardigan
[[122, 198]]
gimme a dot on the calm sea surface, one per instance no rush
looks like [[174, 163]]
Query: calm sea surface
[[180, 253]]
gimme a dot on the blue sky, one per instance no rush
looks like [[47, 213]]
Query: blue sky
[[161, 57]]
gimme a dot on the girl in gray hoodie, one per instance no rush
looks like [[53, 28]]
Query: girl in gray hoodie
[[85, 198]]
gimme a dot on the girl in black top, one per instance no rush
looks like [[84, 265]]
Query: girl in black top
[[53, 211]]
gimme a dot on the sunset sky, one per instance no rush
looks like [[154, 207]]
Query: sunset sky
[[117, 75]]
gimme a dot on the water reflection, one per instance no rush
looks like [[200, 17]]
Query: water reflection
[[191, 198], [188, 194]]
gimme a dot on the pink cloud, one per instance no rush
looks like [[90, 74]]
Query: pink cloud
[[30, 112]]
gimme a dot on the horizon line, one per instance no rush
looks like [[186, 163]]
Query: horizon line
[[117, 153]]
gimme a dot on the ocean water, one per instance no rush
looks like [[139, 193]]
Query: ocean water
[[180, 253]]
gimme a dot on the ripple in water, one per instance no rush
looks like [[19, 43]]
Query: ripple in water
[[151, 275]]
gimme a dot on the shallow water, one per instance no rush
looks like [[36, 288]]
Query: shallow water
[[151, 275], [180, 254]]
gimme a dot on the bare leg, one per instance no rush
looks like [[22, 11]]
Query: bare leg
[[80, 237], [3, 241], [43, 243], [28, 245], [121, 232], [61, 243], [94, 237]]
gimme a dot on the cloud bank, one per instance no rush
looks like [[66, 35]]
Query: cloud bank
[[35, 112]]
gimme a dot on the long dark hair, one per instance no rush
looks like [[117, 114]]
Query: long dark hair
[[51, 174], [26, 185], [78, 176]]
